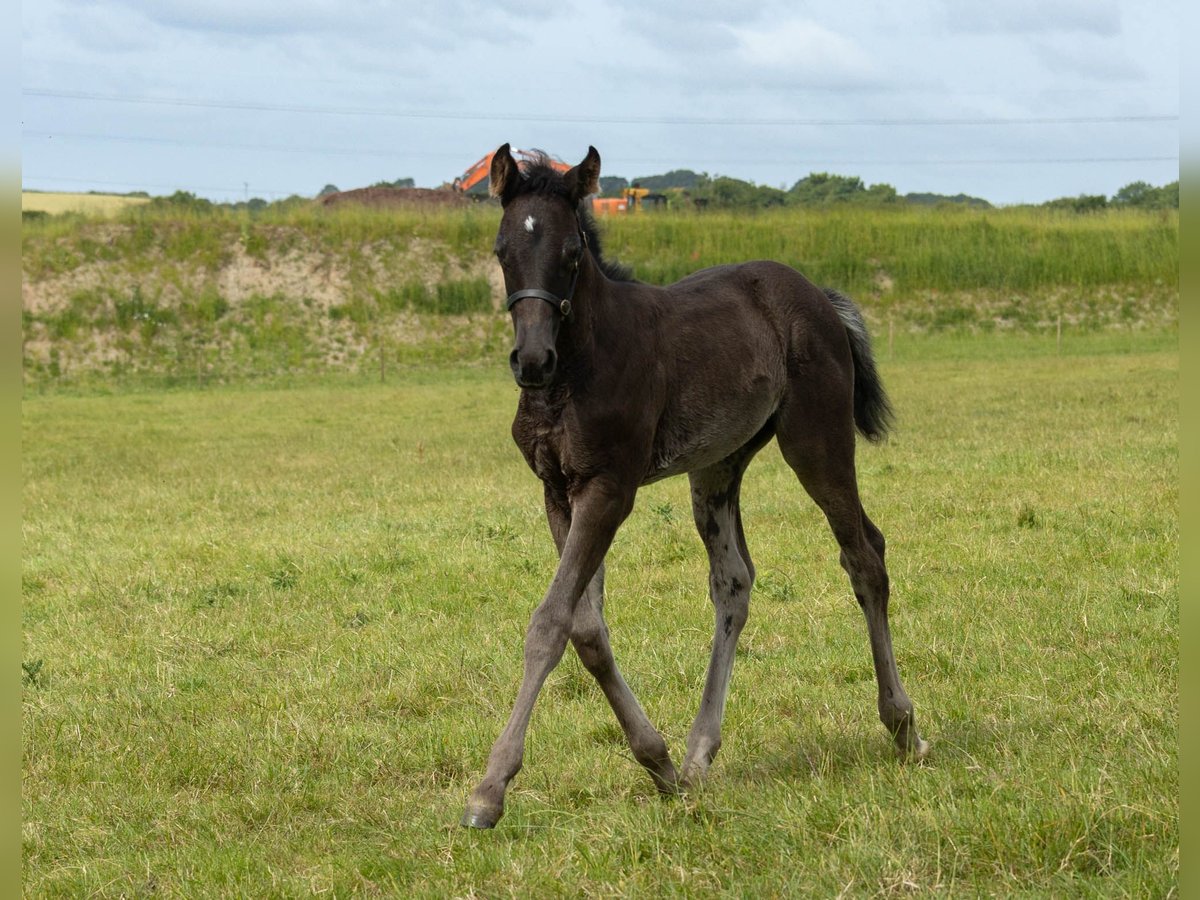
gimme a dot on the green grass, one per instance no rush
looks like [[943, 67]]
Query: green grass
[[271, 634]]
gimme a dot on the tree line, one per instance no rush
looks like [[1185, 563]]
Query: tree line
[[826, 189], [685, 188]]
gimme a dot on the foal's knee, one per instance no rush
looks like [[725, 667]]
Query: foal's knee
[[593, 651], [547, 634]]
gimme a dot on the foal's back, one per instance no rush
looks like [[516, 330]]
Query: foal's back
[[730, 344]]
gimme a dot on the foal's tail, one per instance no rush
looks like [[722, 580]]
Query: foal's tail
[[872, 410]]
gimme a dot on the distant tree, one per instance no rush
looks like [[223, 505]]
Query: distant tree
[[728, 193], [329, 189], [1136, 193], [612, 185], [1140, 195], [822, 187], [676, 178], [880, 193], [398, 183], [254, 204], [1082, 203], [928, 199], [289, 202], [183, 200]]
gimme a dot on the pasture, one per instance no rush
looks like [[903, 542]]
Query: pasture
[[260, 657], [56, 203]]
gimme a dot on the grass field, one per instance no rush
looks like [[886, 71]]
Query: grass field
[[271, 634], [55, 203]]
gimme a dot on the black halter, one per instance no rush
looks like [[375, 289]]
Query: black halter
[[562, 304]]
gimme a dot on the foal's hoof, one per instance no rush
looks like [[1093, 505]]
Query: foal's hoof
[[693, 779], [917, 752], [477, 815]]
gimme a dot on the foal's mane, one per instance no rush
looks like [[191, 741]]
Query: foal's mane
[[540, 177]]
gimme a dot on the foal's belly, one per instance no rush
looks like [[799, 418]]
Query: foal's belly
[[708, 433]]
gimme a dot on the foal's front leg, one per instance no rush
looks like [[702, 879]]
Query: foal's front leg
[[599, 508], [589, 635]]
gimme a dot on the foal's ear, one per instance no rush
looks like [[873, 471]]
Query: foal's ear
[[584, 180], [505, 176]]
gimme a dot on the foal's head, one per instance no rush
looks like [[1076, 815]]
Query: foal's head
[[540, 245]]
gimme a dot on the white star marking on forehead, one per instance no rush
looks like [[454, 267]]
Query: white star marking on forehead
[[530, 221]]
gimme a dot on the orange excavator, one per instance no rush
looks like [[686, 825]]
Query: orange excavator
[[478, 173], [632, 199]]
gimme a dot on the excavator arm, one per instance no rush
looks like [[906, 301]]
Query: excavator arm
[[480, 170]]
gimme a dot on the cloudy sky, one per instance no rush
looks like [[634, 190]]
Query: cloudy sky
[[1011, 100]]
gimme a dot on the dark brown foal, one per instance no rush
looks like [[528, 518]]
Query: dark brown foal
[[624, 384]]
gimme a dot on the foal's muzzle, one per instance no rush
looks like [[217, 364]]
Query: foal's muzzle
[[533, 369], [534, 359]]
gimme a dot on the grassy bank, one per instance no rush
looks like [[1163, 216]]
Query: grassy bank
[[904, 252], [270, 636], [197, 297]]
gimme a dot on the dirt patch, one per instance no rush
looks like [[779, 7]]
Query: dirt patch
[[297, 274], [382, 198]]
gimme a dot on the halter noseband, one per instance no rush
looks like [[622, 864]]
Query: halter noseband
[[562, 304]]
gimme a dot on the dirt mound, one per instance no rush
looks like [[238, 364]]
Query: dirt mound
[[384, 197]]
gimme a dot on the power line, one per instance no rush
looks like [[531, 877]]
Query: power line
[[394, 155], [510, 116], [219, 145], [140, 185]]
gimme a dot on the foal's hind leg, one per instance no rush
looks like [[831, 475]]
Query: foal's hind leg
[[824, 463], [715, 507]]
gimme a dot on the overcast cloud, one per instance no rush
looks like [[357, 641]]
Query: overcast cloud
[[252, 98]]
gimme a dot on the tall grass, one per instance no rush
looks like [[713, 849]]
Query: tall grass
[[917, 249], [921, 249]]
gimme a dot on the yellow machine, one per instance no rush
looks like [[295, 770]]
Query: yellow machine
[[632, 199]]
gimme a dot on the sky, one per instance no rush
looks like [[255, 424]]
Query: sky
[[1015, 101]]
